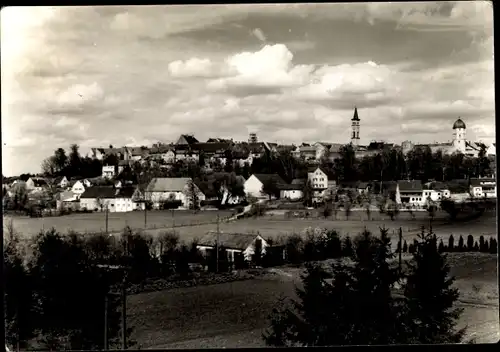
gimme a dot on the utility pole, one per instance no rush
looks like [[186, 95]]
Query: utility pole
[[106, 218], [145, 214], [217, 246], [400, 249], [106, 322], [124, 314], [173, 219]]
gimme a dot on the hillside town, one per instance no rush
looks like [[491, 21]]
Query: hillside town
[[225, 172]]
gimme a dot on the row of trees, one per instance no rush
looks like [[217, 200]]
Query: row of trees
[[363, 305], [72, 165]]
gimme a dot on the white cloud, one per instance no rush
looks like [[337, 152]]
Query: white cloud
[[79, 94], [259, 34], [194, 67]]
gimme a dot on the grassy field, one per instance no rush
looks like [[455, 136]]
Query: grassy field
[[96, 222], [234, 314]]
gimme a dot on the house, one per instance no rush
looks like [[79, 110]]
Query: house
[[291, 191], [78, 188], [318, 178], [436, 191], [60, 182], [363, 187], [186, 139], [108, 171], [483, 187], [410, 192], [171, 188], [253, 186], [492, 150], [138, 153], [67, 200], [236, 244], [100, 198], [36, 184]]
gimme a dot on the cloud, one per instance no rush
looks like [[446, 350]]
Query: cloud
[[259, 34], [191, 68]]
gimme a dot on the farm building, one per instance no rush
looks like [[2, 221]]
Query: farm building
[[36, 184], [100, 198], [236, 244], [169, 188], [253, 186], [67, 200], [292, 191]]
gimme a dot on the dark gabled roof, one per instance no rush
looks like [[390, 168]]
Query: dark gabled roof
[[39, 182], [219, 140], [211, 147], [207, 189], [125, 192], [290, 187], [99, 192], [266, 177], [480, 181], [299, 181], [189, 139], [363, 185], [379, 146], [228, 240], [168, 184], [410, 186], [438, 186], [160, 149], [314, 168]]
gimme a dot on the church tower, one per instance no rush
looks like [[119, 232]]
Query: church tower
[[355, 128], [459, 135]]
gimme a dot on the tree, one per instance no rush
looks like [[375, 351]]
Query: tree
[[347, 208], [451, 243], [257, 255], [461, 246], [60, 160], [430, 297], [201, 159], [470, 243], [49, 166], [482, 244], [441, 246], [308, 193], [367, 202], [347, 248], [18, 295], [192, 195], [493, 245], [405, 247], [270, 187], [235, 187]]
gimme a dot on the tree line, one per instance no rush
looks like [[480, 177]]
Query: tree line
[[369, 300]]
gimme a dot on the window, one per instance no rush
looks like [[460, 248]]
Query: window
[[412, 199]]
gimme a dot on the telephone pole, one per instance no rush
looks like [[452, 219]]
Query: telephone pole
[[173, 219], [124, 314], [106, 322], [106, 218], [400, 249], [217, 246]]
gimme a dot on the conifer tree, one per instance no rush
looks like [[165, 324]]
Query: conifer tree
[[482, 244], [441, 246], [470, 243], [430, 296], [405, 247], [461, 246], [347, 249], [451, 244], [493, 245]]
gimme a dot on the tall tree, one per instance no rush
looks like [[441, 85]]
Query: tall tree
[[270, 187], [431, 315], [60, 160], [75, 162]]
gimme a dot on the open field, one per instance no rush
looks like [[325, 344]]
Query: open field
[[234, 314], [269, 227], [96, 222]]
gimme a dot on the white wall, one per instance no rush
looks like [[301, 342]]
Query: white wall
[[78, 188], [108, 171], [291, 194], [253, 187]]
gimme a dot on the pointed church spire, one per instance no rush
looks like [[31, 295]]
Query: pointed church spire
[[355, 117]]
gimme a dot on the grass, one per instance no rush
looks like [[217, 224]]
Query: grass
[[234, 314]]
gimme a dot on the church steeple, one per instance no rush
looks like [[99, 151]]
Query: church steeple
[[355, 128], [355, 117]]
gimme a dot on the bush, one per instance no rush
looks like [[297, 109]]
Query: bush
[[493, 245], [470, 243], [405, 247], [273, 256], [461, 246], [451, 243], [333, 245], [482, 245], [347, 247], [294, 249], [170, 204]]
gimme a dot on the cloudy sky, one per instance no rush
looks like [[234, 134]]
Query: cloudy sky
[[137, 75]]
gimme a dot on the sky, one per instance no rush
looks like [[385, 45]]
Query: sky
[[137, 75]]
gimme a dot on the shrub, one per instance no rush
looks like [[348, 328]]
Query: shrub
[[294, 249], [212, 202], [333, 245], [170, 204], [493, 245], [451, 244], [347, 247], [441, 246], [476, 247], [405, 247], [482, 244], [461, 246]]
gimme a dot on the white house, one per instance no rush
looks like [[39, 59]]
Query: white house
[[483, 187], [234, 243], [253, 186], [67, 199], [170, 188], [108, 171], [293, 191], [410, 193], [492, 149], [61, 182], [318, 180], [36, 184], [100, 198], [78, 188]]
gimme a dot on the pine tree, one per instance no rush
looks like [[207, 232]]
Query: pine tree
[[441, 246], [333, 245], [451, 244], [430, 297], [405, 247], [493, 245], [481, 244], [461, 246], [470, 243], [486, 247], [347, 249], [476, 247]]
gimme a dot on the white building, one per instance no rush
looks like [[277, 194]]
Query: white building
[[483, 187], [255, 183], [78, 188], [234, 243], [100, 198], [171, 189], [318, 179], [108, 171], [36, 184]]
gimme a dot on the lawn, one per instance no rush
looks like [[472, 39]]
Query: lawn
[[234, 314]]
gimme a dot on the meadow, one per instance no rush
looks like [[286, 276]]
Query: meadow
[[233, 315]]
